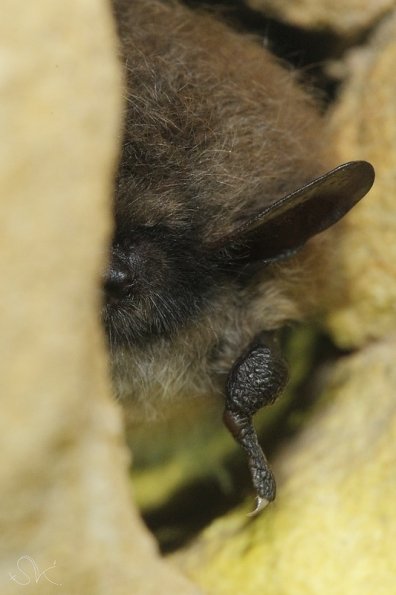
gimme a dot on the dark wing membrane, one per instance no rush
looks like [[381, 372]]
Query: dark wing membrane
[[287, 224]]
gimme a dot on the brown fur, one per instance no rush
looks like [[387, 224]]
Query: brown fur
[[217, 126], [215, 129]]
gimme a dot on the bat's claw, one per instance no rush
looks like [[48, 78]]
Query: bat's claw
[[261, 503]]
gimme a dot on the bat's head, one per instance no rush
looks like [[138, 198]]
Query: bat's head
[[157, 279], [160, 277]]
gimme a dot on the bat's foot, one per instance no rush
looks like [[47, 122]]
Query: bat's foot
[[241, 427], [261, 503], [255, 380]]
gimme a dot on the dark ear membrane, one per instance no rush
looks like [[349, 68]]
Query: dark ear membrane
[[283, 227]]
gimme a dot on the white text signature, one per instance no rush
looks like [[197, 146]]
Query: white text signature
[[31, 572]]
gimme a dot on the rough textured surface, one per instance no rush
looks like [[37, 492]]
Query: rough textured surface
[[344, 17], [63, 478], [363, 123], [333, 527]]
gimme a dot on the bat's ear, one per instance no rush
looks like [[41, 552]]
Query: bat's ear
[[283, 227]]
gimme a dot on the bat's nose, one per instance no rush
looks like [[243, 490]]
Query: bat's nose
[[117, 283]]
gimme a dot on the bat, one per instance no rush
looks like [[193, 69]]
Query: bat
[[222, 186]]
